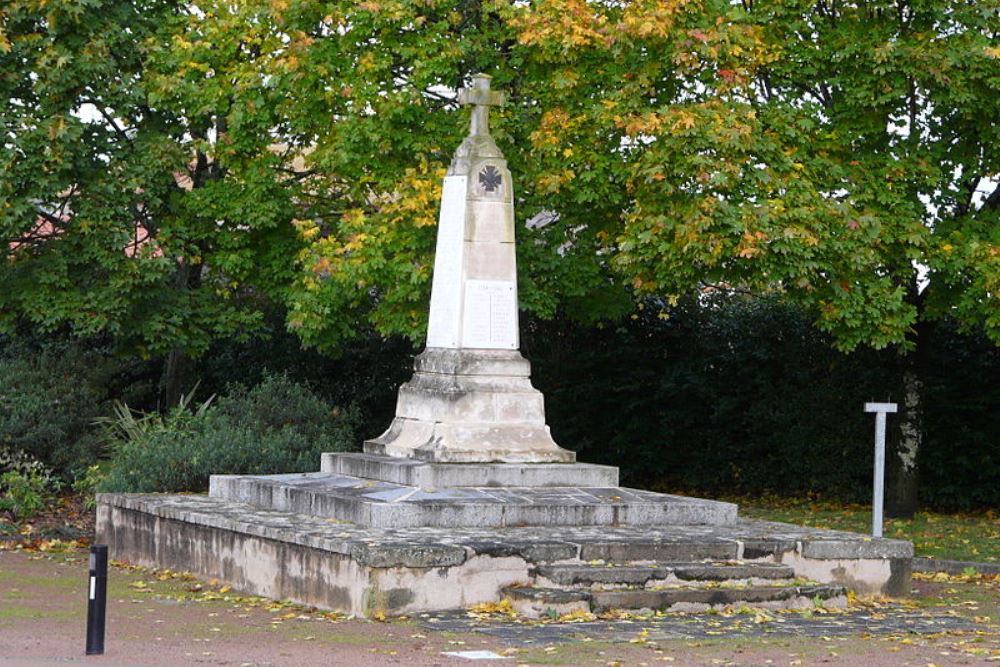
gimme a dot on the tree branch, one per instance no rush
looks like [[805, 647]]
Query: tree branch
[[993, 200], [110, 120]]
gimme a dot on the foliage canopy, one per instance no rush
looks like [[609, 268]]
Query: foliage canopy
[[294, 151]]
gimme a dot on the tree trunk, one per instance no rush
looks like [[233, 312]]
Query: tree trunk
[[901, 502], [903, 463], [175, 376], [177, 371]]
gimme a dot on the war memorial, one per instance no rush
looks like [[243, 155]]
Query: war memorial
[[466, 498]]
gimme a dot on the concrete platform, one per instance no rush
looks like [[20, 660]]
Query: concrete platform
[[370, 502], [362, 570]]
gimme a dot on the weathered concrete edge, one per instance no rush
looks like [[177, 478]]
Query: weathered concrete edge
[[836, 544], [316, 532], [303, 574], [834, 549], [365, 553], [340, 502]]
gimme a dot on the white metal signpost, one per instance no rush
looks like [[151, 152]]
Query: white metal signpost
[[880, 410]]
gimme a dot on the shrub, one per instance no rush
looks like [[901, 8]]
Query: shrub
[[276, 427], [26, 484], [49, 399], [741, 395], [87, 483]]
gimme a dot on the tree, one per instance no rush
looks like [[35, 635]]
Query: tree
[[860, 178], [839, 154], [844, 155], [137, 201]]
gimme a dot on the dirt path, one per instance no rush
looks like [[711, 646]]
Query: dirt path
[[170, 619]]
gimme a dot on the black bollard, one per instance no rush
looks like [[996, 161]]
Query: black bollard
[[97, 599]]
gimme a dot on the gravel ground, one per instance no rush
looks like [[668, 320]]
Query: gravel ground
[[170, 619]]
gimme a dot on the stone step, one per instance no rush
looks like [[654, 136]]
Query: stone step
[[387, 505], [534, 602], [665, 549], [603, 575], [428, 476], [698, 599]]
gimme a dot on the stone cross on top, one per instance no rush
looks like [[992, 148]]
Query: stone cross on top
[[482, 98]]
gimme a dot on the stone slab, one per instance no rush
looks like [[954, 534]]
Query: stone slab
[[588, 574], [426, 475], [534, 601], [694, 598], [387, 505], [953, 566]]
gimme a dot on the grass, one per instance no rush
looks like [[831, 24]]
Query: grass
[[10, 611], [972, 537]]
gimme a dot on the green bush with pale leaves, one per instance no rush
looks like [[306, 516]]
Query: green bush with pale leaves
[[277, 426]]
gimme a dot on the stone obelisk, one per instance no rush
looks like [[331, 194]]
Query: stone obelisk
[[470, 399]]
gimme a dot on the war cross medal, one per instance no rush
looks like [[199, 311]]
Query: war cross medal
[[490, 178]]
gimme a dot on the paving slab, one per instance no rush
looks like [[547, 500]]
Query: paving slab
[[889, 620]]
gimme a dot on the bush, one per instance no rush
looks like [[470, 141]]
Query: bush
[[87, 483], [49, 399], [26, 484], [276, 427], [733, 396], [960, 457]]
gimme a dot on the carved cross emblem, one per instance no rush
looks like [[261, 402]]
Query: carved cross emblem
[[490, 178], [481, 98]]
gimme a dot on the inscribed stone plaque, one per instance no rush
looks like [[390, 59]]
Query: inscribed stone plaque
[[446, 291], [490, 319]]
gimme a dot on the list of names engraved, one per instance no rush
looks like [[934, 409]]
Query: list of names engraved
[[490, 315]]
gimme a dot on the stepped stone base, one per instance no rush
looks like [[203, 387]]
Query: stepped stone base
[[347, 567], [371, 502]]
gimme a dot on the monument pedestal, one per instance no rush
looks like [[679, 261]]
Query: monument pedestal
[[470, 406]]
